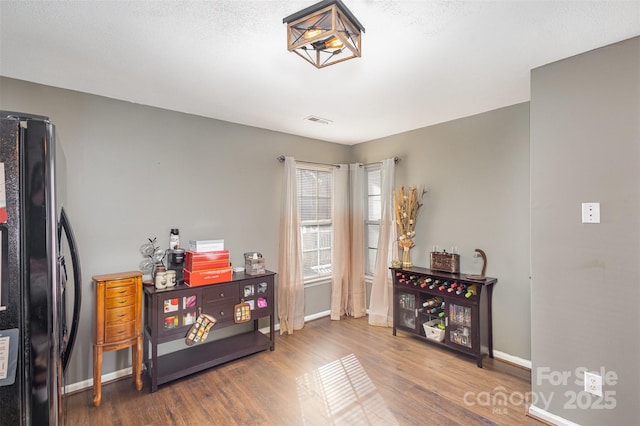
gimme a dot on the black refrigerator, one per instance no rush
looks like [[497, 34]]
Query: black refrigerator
[[40, 282]]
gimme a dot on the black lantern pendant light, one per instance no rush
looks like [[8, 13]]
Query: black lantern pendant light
[[324, 34]]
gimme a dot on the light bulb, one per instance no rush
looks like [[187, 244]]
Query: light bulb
[[312, 32], [333, 43]]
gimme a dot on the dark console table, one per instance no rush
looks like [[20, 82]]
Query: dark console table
[[170, 313], [460, 318]]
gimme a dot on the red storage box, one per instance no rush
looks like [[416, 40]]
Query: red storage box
[[212, 276], [206, 260]]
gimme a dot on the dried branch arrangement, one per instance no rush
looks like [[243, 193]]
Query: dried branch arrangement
[[407, 202]]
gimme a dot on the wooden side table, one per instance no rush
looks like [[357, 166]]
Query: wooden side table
[[118, 323]]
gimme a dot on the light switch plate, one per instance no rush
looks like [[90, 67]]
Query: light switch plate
[[590, 212]]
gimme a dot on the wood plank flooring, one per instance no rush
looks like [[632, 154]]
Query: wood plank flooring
[[329, 373]]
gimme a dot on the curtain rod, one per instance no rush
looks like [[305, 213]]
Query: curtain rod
[[396, 160], [281, 159]]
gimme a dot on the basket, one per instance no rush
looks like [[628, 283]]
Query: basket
[[446, 262], [253, 263], [432, 331]]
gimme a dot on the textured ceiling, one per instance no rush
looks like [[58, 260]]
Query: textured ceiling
[[423, 62]]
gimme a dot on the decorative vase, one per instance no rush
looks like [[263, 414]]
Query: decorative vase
[[406, 258]]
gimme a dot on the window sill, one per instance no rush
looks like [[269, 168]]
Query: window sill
[[317, 282]]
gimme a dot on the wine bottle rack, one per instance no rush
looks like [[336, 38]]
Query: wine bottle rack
[[444, 309]]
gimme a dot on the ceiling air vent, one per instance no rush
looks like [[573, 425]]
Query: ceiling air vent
[[318, 120]]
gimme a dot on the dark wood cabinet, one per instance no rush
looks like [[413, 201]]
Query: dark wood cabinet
[[170, 313], [445, 309]]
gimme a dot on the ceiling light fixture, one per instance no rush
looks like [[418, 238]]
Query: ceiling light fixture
[[324, 34]]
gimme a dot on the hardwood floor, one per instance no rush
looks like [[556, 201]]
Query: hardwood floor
[[329, 373]]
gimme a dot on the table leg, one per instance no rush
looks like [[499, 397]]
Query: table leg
[[153, 374], [97, 375], [272, 333], [490, 321], [136, 362]]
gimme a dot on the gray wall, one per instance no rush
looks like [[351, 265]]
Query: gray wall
[[476, 171], [135, 172], [585, 147]]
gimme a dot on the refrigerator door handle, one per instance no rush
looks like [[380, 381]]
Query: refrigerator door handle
[[77, 280]]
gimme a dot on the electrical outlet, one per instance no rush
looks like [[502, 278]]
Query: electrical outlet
[[593, 383]]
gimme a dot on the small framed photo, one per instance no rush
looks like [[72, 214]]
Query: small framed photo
[[171, 322], [189, 318], [189, 301], [248, 290], [170, 305]]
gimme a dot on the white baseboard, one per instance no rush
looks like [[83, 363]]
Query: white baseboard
[[317, 316], [512, 359], [265, 330], [78, 386], [546, 416]]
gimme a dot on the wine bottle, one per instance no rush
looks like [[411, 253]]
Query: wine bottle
[[445, 285], [438, 312], [434, 301], [471, 291], [435, 309], [462, 289]]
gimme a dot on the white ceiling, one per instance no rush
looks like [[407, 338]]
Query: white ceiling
[[423, 62]]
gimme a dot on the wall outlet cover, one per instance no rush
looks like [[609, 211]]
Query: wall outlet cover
[[590, 212], [593, 383]]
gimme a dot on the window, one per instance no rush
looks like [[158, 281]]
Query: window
[[315, 196], [373, 214]]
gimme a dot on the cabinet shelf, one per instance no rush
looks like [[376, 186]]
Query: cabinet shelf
[[175, 365], [467, 320], [170, 313]]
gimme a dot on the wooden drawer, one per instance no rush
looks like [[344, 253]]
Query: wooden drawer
[[120, 291], [120, 302], [118, 332], [122, 282], [221, 311], [121, 315], [219, 292]]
